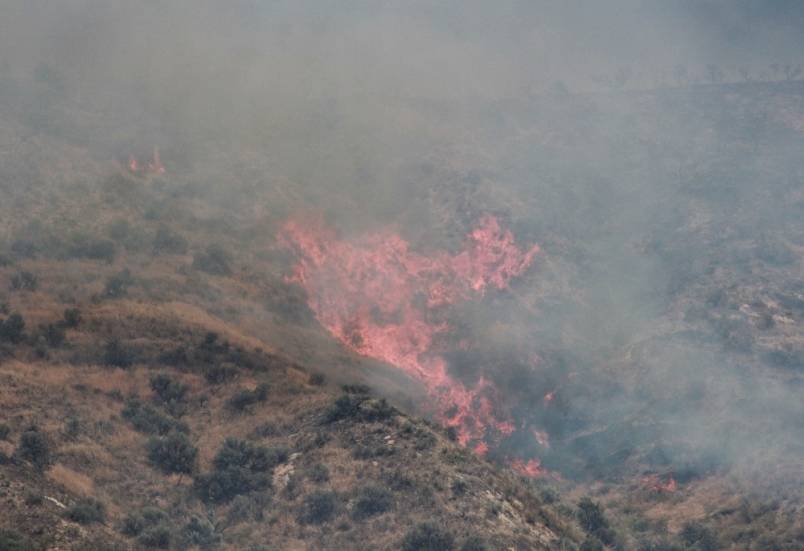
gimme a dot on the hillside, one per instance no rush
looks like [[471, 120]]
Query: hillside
[[175, 376]]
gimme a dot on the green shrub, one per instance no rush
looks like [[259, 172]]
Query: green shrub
[[116, 355], [219, 374], [172, 453], [24, 281], [317, 379], [372, 501], [87, 511], [72, 317], [34, 447], [53, 334], [428, 537], [135, 523], [593, 521], [699, 537], [591, 543], [318, 507], [244, 398], [475, 543], [117, 285], [147, 420], [170, 393], [318, 473], [200, 532], [214, 260], [11, 540], [167, 241], [358, 408], [12, 329], [238, 468], [156, 537], [84, 246], [5, 430]]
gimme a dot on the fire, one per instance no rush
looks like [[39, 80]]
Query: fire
[[532, 468], [657, 484], [383, 300], [154, 166]]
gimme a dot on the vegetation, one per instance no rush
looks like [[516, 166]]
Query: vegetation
[[371, 501], [172, 454], [318, 507], [239, 468], [428, 537], [87, 511], [34, 447]]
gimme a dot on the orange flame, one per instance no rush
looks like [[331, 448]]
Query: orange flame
[[656, 484], [531, 469], [366, 294]]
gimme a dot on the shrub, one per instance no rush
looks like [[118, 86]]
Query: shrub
[[318, 508], [698, 536], [170, 393], [199, 532], [214, 260], [87, 511], [115, 355], [11, 540], [428, 537], [167, 241], [244, 398], [135, 523], [72, 317], [172, 453], [474, 543], [34, 447], [358, 408], [591, 543], [147, 420], [24, 281], [5, 430], [593, 521], [117, 285], [317, 379], [53, 334], [371, 501], [12, 329], [219, 374], [238, 468], [156, 537], [94, 249], [318, 473]]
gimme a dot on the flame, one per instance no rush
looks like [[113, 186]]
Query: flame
[[532, 468], [154, 166], [549, 397], [655, 483], [384, 301]]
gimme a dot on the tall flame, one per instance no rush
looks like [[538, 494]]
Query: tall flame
[[382, 300]]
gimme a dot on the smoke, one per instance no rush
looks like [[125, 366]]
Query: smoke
[[621, 137]]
